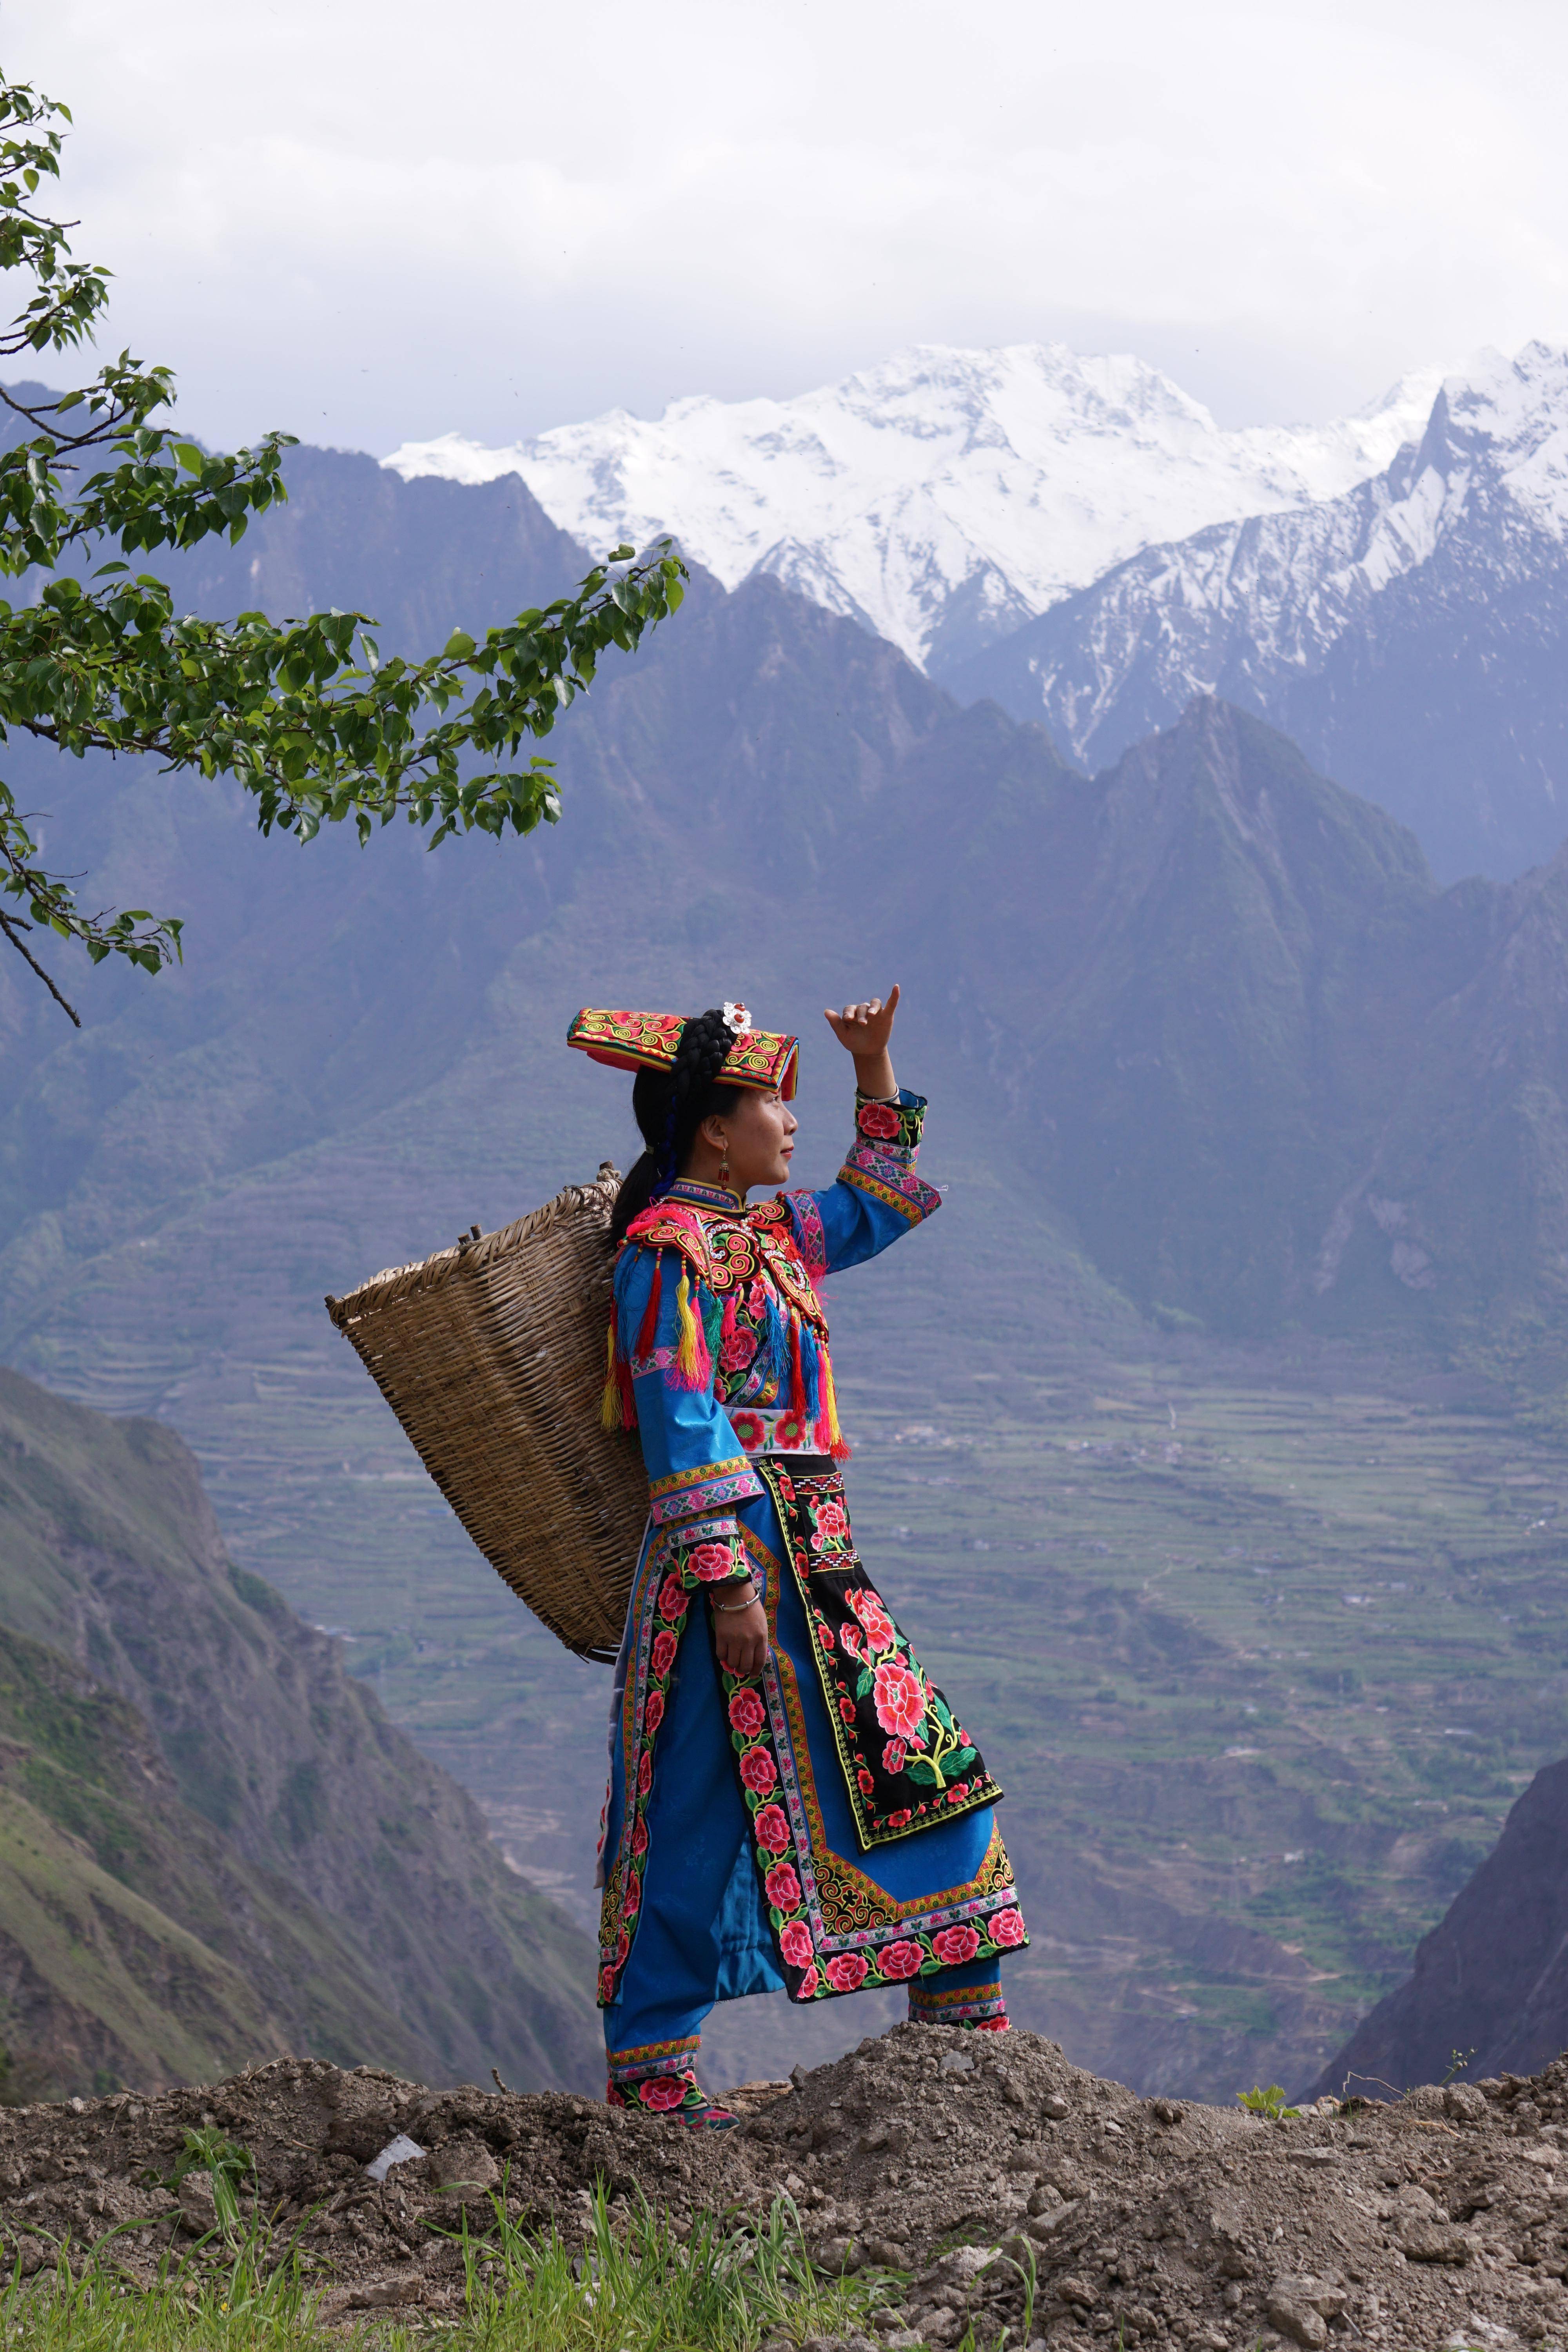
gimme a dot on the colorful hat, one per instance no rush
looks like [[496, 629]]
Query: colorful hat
[[647, 1041]]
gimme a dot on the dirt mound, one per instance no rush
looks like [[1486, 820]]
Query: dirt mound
[[1437, 2220]]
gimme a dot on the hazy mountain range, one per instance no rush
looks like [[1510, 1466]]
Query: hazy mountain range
[[1075, 539]]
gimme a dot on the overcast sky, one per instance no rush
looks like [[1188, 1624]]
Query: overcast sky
[[367, 223]]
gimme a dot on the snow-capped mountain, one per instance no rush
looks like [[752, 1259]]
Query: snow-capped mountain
[[1411, 635], [944, 497]]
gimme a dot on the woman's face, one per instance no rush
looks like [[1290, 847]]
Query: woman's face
[[757, 1136]]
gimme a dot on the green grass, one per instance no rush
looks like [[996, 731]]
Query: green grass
[[728, 2285]]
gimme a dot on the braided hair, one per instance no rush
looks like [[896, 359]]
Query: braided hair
[[669, 1106]]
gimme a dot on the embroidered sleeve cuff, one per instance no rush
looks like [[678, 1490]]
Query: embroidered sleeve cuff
[[707, 1551], [710, 1487], [884, 1178], [891, 1128]]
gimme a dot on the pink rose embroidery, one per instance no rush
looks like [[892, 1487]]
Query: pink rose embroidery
[[899, 1821], [783, 1887], [794, 1943], [832, 1522], [879, 1119], [632, 1902], [738, 1351], [847, 1709], [1008, 1929], [846, 1971], [672, 1599], [881, 1630], [809, 1984], [711, 1563], [639, 1837], [664, 2092], [825, 1635], [901, 1960], [645, 1773], [653, 1714], [757, 1771], [771, 1830], [746, 1714], [664, 1648], [606, 1985], [849, 1639], [899, 1700], [954, 1945], [864, 1781], [893, 1756]]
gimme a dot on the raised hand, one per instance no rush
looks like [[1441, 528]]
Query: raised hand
[[864, 1030]]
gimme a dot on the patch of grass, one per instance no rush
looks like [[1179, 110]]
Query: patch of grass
[[733, 2281]]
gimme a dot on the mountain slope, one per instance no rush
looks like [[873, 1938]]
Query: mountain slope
[[240, 1849], [1408, 634], [939, 498], [1491, 1979]]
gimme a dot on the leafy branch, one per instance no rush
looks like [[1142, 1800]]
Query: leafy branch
[[304, 714]]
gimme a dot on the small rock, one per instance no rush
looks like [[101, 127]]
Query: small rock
[[462, 2164], [1423, 2241], [1166, 2111], [198, 2207], [1054, 2106], [1076, 2291], [957, 2061], [1295, 2317]]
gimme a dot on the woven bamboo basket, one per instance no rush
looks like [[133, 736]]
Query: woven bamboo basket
[[492, 1357]]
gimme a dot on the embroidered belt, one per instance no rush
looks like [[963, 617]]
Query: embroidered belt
[[764, 1429]]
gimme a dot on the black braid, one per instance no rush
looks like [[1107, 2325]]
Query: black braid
[[669, 1106]]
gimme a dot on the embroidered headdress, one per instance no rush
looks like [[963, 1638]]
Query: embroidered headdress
[[648, 1041]]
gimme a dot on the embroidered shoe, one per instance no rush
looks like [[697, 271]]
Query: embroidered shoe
[[678, 2097]]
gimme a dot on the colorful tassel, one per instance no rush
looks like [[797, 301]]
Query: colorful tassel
[[647, 1335], [797, 1375], [610, 1404], [830, 1436], [692, 1362]]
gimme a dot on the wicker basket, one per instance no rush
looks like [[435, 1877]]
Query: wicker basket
[[492, 1357]]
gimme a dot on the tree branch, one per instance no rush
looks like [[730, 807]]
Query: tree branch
[[10, 926]]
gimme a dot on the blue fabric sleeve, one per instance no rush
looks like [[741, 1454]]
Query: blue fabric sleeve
[[698, 1475], [878, 1197]]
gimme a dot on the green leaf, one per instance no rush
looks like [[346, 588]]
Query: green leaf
[[921, 1768], [864, 1685], [457, 645]]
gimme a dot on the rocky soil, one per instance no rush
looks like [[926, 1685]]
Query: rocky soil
[[953, 2163]]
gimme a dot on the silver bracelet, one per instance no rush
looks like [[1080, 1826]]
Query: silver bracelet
[[733, 1608]]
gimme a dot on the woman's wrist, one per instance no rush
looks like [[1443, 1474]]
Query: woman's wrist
[[874, 1076], [731, 1598]]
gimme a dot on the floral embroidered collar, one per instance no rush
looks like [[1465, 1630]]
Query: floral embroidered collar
[[704, 1196]]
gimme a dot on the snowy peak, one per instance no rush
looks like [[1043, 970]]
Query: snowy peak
[[1408, 634], [943, 498]]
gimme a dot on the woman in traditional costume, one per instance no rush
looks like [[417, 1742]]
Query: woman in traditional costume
[[793, 1803]]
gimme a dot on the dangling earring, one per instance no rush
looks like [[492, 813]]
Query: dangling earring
[[724, 1164]]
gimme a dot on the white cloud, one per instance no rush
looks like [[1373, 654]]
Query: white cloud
[[370, 223]]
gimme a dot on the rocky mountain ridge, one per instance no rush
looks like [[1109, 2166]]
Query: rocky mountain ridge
[[1488, 1989], [213, 1843], [942, 498], [1407, 633]]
